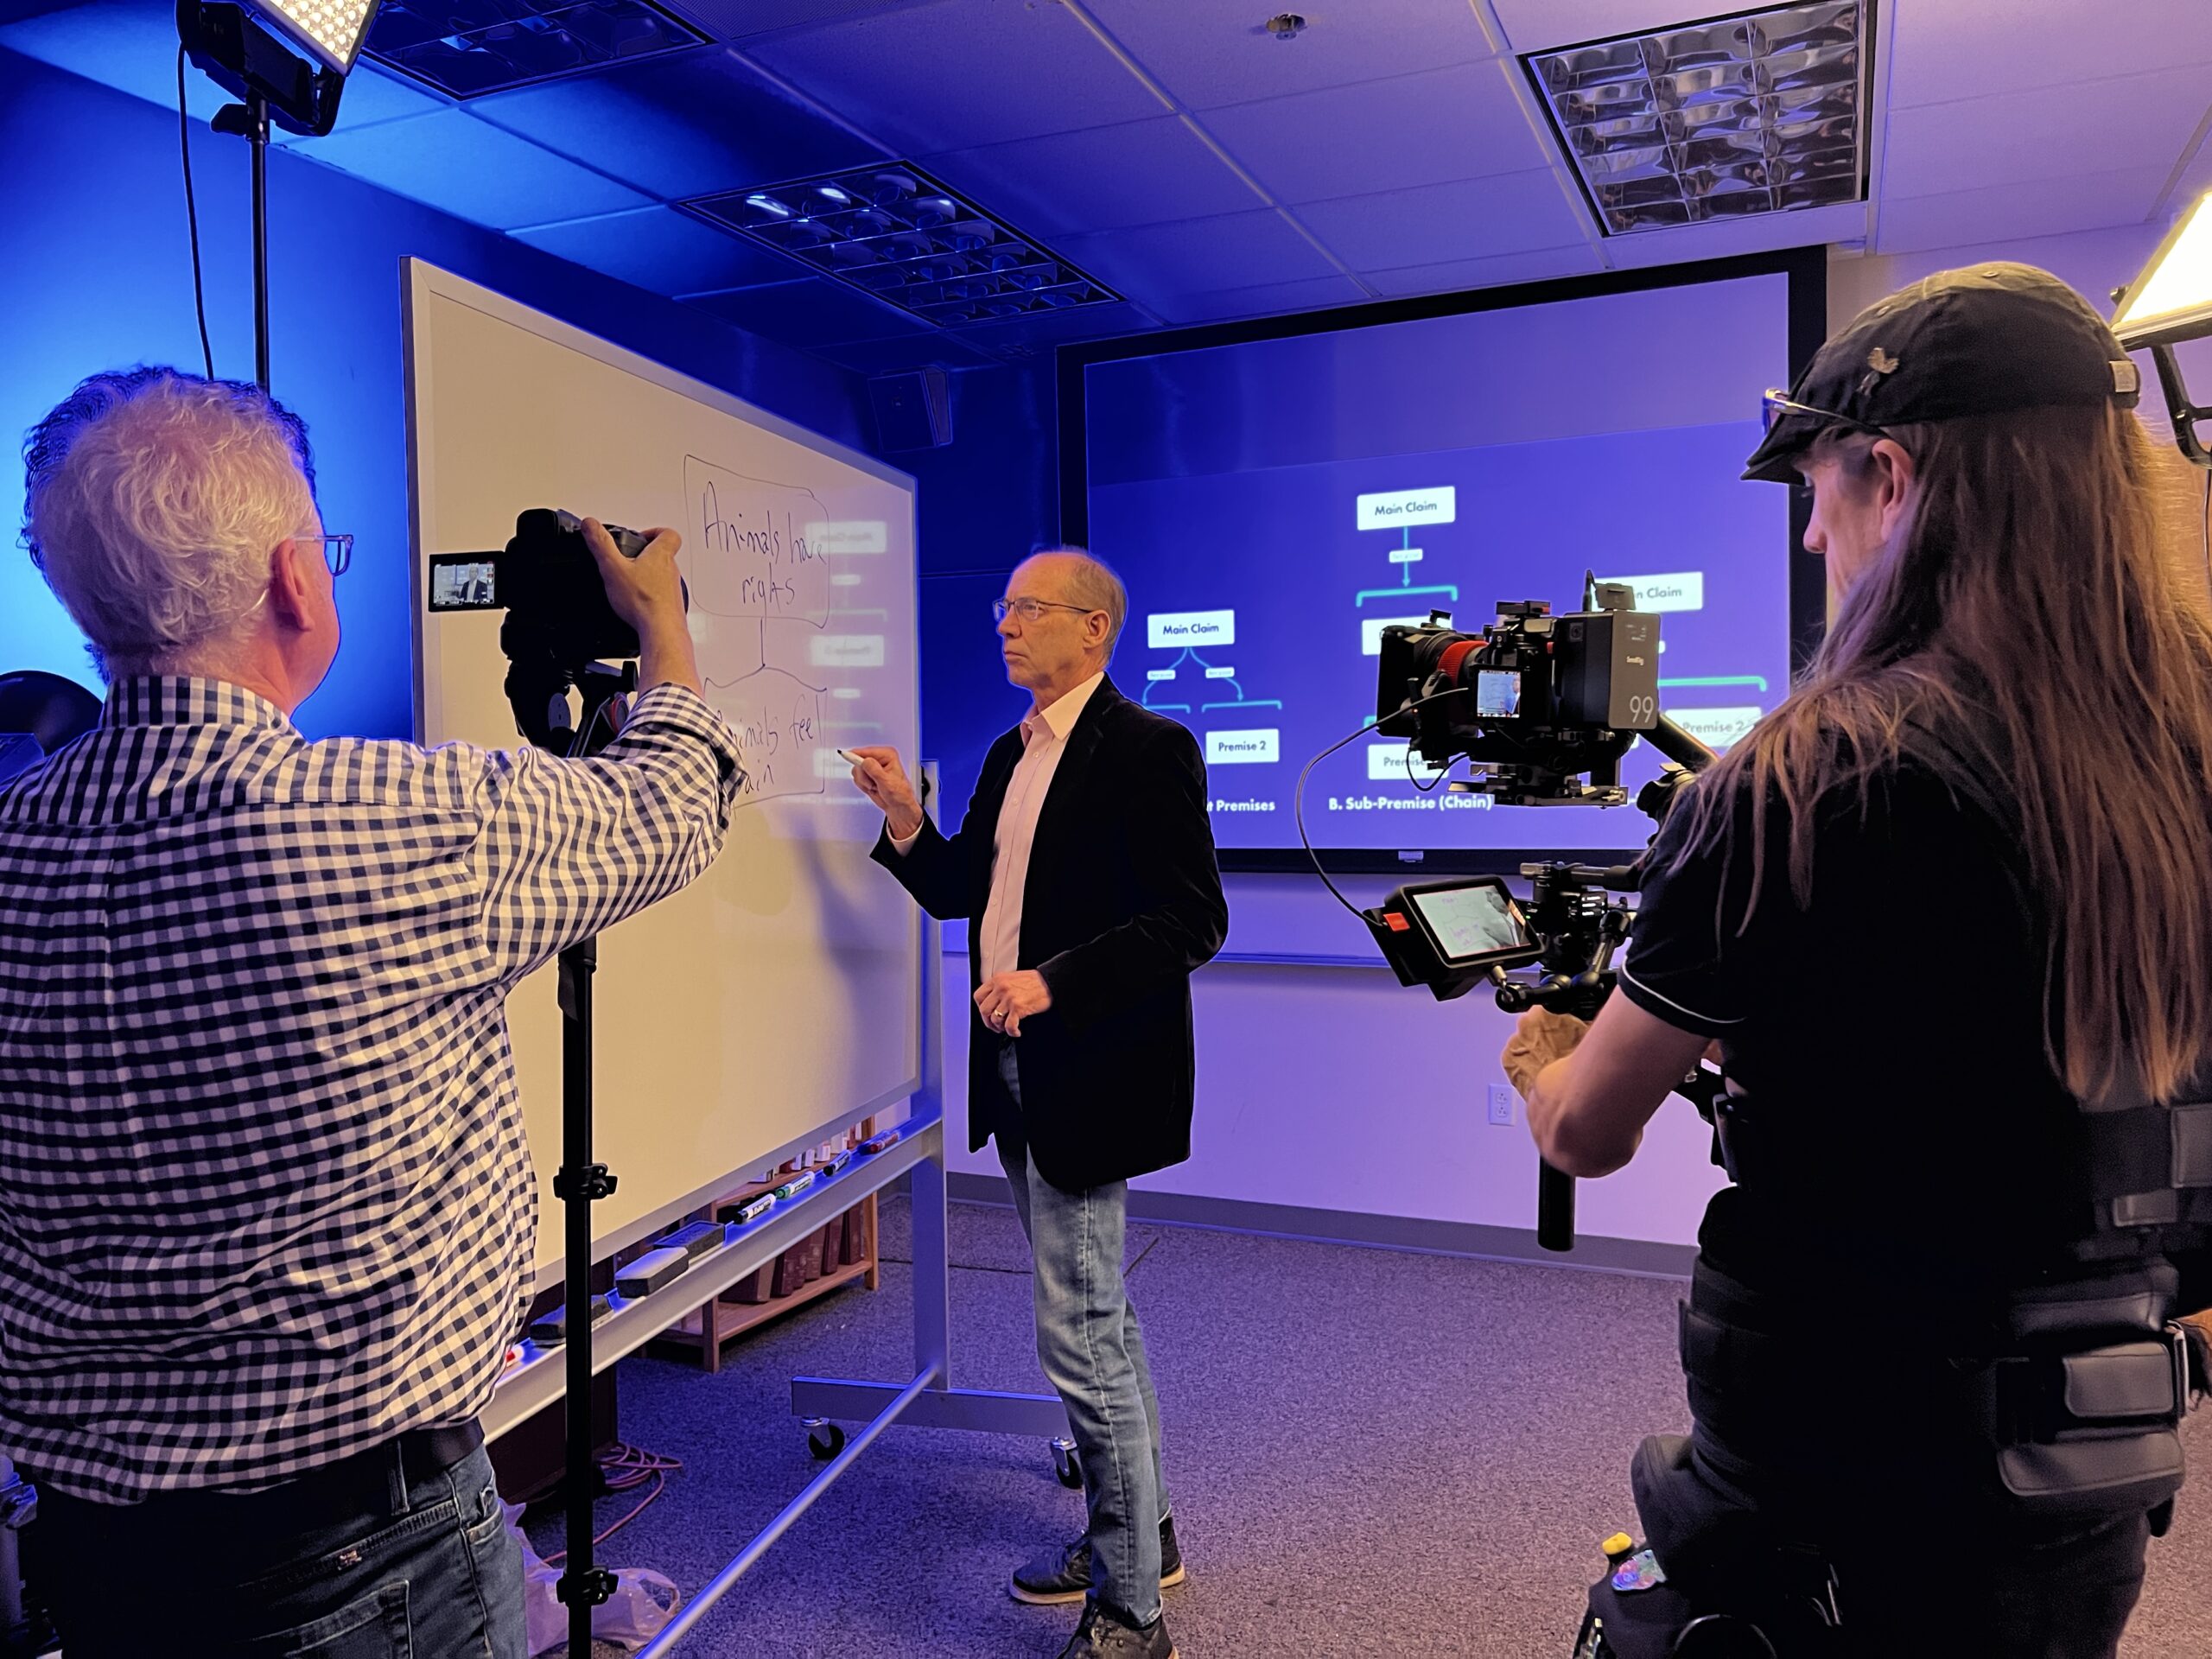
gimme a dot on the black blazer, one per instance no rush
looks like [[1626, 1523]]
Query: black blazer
[[1122, 902]]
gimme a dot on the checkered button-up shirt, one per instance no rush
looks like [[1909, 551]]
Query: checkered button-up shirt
[[264, 1199]]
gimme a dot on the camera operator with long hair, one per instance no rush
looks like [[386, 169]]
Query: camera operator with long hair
[[1947, 912]]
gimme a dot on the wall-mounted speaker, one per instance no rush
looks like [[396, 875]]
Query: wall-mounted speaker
[[912, 410]]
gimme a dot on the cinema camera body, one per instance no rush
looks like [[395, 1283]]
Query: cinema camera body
[[560, 632], [1545, 706]]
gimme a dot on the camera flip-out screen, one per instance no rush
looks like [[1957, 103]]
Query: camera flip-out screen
[[464, 581]]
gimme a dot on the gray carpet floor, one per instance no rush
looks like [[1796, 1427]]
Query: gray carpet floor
[[1371, 1453]]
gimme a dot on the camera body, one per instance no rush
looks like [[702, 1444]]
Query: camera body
[[560, 632], [548, 582], [1540, 699]]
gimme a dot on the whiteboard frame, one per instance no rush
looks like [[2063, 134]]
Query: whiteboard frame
[[419, 281]]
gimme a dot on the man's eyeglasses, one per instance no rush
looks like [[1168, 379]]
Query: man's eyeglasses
[[337, 551], [1776, 404], [1032, 610]]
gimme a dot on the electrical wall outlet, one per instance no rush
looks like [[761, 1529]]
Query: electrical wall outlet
[[1501, 1103]]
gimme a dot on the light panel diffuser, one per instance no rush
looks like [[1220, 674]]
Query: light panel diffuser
[[1759, 113]]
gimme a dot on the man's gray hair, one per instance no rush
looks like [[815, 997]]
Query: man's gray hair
[[154, 509], [1093, 584]]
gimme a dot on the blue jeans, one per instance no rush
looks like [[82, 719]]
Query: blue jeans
[[1093, 1354], [384, 1562]]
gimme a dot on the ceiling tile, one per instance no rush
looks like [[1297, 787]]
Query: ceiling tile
[[1534, 25], [803, 313], [2099, 126], [130, 45], [2009, 211], [1805, 228], [1197, 256], [1100, 178], [1023, 336], [1949, 51], [1457, 276], [1270, 300], [660, 249], [687, 126], [931, 349], [960, 73], [1213, 51], [1461, 123], [463, 166], [1473, 218]]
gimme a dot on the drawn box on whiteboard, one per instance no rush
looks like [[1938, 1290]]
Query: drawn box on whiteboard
[[746, 551], [781, 737]]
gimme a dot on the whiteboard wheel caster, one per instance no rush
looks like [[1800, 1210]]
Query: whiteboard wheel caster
[[1067, 1464], [823, 1439]]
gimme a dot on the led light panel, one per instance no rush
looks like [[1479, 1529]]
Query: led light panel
[[893, 232], [331, 30], [1759, 113], [468, 48], [2171, 298]]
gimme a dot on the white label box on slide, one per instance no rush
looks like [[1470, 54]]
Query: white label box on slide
[[1244, 749], [1678, 590], [1400, 509], [1165, 629]]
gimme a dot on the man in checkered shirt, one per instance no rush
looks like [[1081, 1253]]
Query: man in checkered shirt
[[266, 1208]]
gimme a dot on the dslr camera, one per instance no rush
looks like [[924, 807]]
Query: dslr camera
[[560, 632]]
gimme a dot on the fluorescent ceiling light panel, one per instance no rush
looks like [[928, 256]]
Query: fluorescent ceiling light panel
[[1764, 112], [468, 47], [894, 233], [2172, 299], [330, 30]]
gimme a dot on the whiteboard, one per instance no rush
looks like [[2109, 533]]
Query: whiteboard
[[778, 998]]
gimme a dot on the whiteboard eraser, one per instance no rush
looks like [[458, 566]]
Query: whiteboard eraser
[[651, 1271]]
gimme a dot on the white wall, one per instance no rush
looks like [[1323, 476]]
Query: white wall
[[1334, 1088]]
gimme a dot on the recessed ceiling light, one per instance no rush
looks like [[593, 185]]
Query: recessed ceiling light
[[468, 47], [897, 234], [1764, 112], [1286, 25]]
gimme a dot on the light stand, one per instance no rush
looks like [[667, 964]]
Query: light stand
[[2170, 301], [245, 59]]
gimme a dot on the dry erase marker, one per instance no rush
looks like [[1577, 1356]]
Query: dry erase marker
[[797, 1185], [756, 1208], [852, 759]]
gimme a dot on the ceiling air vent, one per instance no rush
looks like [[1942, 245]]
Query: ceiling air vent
[[1764, 112]]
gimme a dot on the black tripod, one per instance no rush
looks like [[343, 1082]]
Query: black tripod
[[580, 1183]]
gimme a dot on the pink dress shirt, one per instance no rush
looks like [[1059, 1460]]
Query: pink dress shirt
[[997, 936]]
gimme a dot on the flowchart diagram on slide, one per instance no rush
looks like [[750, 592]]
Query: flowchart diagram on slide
[[1194, 685], [757, 557], [1404, 511]]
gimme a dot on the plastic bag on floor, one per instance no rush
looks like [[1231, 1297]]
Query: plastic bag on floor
[[643, 1602]]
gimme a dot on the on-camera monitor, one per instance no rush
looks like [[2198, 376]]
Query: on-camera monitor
[[1273, 503], [1472, 921]]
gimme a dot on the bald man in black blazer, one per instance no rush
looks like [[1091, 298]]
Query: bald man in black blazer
[[1085, 866]]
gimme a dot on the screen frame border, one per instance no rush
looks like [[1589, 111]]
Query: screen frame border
[[1806, 310]]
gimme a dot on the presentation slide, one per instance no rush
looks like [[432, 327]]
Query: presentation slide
[[1274, 505]]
